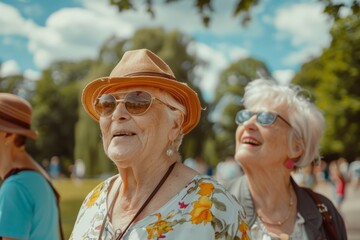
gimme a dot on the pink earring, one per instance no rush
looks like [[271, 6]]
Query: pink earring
[[289, 164]]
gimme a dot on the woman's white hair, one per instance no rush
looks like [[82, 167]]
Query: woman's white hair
[[306, 119]]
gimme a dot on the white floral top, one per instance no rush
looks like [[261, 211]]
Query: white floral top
[[202, 210]]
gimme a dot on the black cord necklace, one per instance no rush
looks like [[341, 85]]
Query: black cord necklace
[[141, 208]]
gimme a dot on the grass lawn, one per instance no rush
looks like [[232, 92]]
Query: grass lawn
[[72, 194]]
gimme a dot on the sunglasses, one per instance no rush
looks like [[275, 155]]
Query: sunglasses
[[262, 118], [136, 103]]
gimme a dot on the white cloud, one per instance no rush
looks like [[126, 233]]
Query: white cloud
[[31, 74], [69, 34], [9, 68], [302, 55], [77, 33], [304, 24], [74, 34], [307, 28], [11, 21], [217, 59], [283, 77]]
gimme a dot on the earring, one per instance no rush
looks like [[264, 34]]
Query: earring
[[169, 152], [6, 143], [289, 164]]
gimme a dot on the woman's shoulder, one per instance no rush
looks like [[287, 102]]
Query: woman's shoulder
[[204, 185], [98, 191], [25, 181]]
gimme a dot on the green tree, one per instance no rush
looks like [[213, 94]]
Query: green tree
[[334, 79], [241, 8], [55, 110]]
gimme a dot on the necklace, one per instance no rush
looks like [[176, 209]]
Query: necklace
[[280, 222], [122, 233]]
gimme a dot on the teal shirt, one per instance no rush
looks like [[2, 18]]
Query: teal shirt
[[28, 208]]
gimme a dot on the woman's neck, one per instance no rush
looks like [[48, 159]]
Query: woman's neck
[[274, 185], [139, 181]]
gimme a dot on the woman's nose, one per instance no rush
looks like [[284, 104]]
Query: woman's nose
[[250, 123], [120, 112]]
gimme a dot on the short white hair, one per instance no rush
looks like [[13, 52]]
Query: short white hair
[[306, 119]]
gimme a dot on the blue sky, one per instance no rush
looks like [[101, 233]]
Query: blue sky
[[284, 34]]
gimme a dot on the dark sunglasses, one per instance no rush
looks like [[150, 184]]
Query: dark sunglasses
[[263, 118], [136, 103]]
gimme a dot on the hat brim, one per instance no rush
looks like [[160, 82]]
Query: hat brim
[[179, 90], [12, 128]]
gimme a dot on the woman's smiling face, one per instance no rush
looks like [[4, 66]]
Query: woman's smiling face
[[258, 145], [128, 137]]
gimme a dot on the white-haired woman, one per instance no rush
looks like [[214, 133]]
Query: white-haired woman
[[143, 112], [279, 131]]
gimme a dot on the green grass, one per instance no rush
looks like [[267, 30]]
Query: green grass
[[72, 194]]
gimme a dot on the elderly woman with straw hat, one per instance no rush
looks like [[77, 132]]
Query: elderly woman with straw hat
[[28, 201], [143, 113]]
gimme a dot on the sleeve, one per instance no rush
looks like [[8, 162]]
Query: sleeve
[[229, 216], [16, 211]]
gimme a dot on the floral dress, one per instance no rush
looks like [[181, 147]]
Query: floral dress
[[201, 210]]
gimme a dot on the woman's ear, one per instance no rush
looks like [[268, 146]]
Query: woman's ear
[[296, 150], [176, 128], [9, 137]]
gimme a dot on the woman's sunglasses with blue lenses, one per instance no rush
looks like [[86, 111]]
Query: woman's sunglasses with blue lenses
[[262, 118]]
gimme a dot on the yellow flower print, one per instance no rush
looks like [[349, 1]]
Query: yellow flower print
[[205, 189], [94, 196], [201, 212], [157, 229], [243, 227]]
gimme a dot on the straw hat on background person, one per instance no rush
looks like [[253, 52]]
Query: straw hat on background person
[[15, 115]]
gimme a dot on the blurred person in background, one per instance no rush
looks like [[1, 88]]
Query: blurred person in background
[[354, 171], [79, 169], [54, 168], [338, 181], [198, 164], [143, 113], [279, 131], [228, 170], [28, 201], [309, 176]]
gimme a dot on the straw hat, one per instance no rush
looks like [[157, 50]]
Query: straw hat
[[15, 115], [144, 68]]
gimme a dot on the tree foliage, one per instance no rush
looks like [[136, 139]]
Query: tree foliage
[[205, 9], [55, 110], [334, 79], [241, 8]]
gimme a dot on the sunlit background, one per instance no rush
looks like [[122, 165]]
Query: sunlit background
[[50, 49]]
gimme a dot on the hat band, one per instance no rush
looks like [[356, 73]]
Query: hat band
[[13, 120], [155, 74]]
